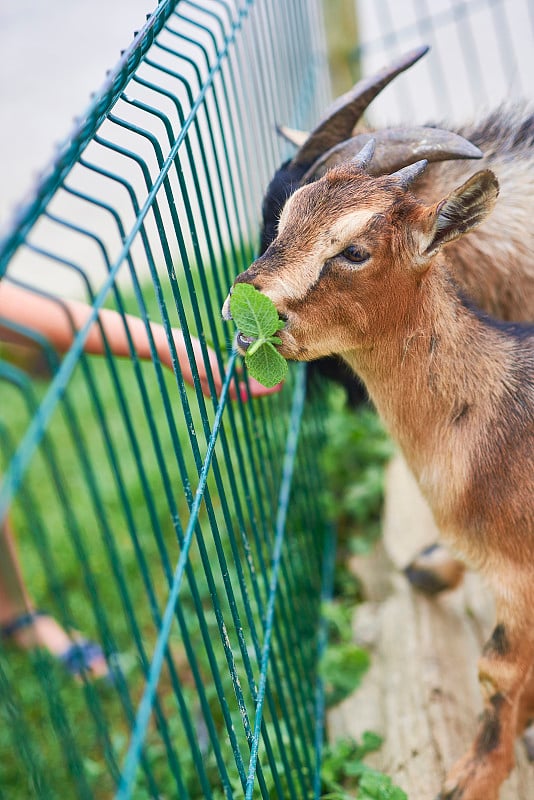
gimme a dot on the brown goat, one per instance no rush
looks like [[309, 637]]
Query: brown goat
[[494, 265], [357, 269]]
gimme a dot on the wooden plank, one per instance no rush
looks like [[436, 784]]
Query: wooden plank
[[421, 692]]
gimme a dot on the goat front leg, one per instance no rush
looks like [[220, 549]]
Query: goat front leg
[[504, 673]]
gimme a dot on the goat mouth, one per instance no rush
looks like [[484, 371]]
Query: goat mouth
[[244, 342]]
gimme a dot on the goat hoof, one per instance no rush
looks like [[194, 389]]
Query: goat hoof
[[425, 580], [434, 570], [528, 739]]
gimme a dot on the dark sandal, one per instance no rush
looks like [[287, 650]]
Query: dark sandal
[[24, 621]]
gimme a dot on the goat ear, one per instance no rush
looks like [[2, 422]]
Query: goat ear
[[461, 211]]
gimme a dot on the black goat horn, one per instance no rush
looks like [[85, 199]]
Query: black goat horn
[[395, 148], [345, 112]]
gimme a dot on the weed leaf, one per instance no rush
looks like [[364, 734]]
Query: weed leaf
[[266, 364], [253, 312]]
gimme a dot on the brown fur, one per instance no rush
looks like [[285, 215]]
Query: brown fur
[[495, 263], [455, 389]]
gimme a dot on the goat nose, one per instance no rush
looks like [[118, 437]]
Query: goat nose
[[252, 274], [248, 276]]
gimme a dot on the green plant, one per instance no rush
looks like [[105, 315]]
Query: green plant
[[357, 449], [354, 458], [257, 319], [344, 772], [343, 663]]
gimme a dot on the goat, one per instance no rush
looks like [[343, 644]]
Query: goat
[[494, 264], [329, 140], [358, 268]]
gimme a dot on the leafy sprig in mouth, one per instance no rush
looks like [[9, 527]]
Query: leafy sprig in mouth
[[257, 320]]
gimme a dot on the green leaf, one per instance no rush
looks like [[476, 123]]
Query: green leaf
[[342, 668], [371, 741], [253, 312], [377, 786], [266, 364], [257, 318], [254, 346]]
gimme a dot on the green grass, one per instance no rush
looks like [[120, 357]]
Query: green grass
[[45, 523]]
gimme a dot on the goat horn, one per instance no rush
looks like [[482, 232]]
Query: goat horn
[[363, 158], [292, 135], [407, 175], [345, 112], [396, 147]]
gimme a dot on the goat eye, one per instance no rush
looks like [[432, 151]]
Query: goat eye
[[355, 254]]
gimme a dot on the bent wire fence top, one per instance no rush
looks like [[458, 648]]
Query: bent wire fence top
[[185, 535]]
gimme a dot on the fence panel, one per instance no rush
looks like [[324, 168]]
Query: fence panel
[[186, 535]]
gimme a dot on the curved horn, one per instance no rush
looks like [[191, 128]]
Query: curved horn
[[395, 148], [345, 112], [407, 175]]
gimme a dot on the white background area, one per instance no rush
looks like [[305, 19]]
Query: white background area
[[54, 54], [482, 53]]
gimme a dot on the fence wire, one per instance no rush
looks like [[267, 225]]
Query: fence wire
[[185, 535]]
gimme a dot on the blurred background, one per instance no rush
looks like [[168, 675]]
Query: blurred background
[[481, 54], [55, 54]]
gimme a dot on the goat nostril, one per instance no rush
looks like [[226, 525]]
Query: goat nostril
[[283, 317]]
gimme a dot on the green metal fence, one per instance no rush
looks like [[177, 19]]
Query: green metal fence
[[185, 535]]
